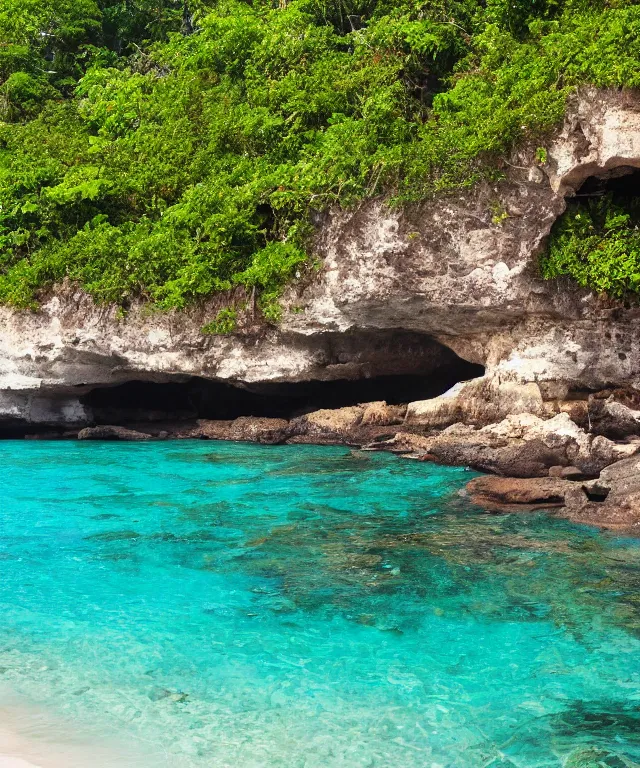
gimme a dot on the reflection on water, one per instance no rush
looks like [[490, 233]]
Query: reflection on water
[[302, 606]]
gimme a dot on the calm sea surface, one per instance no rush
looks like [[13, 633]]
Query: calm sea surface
[[291, 607]]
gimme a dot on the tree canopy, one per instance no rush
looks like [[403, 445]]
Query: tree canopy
[[171, 149]]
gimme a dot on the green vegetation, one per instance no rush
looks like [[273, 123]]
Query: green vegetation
[[224, 323], [170, 150], [598, 244]]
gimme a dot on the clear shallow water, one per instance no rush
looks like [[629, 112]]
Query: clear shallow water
[[238, 605]]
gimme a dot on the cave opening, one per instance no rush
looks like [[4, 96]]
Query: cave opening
[[597, 240], [622, 183], [136, 402], [610, 194], [344, 369], [595, 494]]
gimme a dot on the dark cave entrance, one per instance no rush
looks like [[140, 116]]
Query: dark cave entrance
[[622, 183], [197, 398], [595, 242], [397, 366], [610, 193]]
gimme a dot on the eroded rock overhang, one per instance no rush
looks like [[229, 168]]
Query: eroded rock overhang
[[61, 382]]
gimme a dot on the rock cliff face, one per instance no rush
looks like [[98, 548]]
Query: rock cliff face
[[450, 270], [409, 293]]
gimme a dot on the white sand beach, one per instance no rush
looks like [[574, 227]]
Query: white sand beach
[[12, 749], [39, 751], [32, 737], [6, 761]]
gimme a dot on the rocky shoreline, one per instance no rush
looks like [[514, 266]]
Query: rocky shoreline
[[532, 463], [541, 378]]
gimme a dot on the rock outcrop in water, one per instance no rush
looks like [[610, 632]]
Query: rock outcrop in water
[[527, 446], [109, 432], [611, 501], [425, 293]]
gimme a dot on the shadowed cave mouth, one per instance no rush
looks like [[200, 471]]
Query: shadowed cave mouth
[[619, 187], [595, 241], [623, 183], [423, 376]]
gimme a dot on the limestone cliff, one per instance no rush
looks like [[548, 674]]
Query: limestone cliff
[[397, 292]]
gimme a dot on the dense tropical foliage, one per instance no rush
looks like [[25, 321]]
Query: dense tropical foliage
[[597, 242], [170, 149]]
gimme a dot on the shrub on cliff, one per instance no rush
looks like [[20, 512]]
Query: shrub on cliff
[[598, 244], [167, 150]]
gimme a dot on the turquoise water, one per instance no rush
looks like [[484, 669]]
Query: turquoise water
[[239, 605]]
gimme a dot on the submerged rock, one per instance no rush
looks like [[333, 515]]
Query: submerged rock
[[592, 757], [506, 494], [160, 694]]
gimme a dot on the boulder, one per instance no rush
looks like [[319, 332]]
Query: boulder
[[478, 402], [566, 473], [379, 414], [490, 399], [260, 430], [525, 445], [253, 429], [334, 422], [402, 443], [612, 501], [613, 419], [353, 425], [109, 432], [339, 425], [507, 494]]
